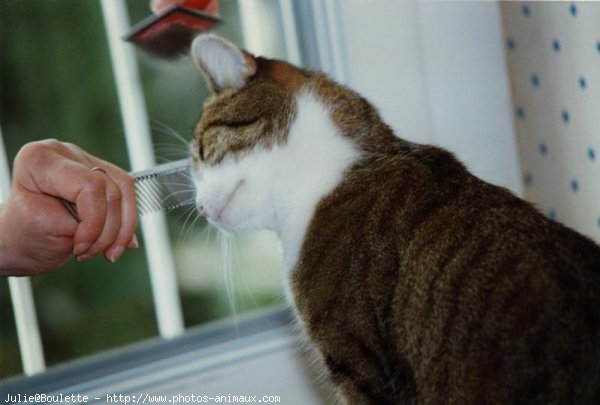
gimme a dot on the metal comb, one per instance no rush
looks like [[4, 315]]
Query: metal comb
[[164, 187], [161, 188]]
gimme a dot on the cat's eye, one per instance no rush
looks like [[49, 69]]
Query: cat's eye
[[201, 152], [197, 150]]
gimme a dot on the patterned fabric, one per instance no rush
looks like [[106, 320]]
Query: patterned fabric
[[553, 54]]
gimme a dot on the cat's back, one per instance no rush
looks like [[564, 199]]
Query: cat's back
[[504, 303], [480, 298]]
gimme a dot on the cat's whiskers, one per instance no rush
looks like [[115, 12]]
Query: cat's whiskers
[[226, 264], [158, 195], [167, 151], [174, 193], [167, 130], [187, 229], [242, 279]]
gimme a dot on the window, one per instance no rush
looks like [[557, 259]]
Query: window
[[57, 81]]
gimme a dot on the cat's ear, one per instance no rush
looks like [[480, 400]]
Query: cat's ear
[[224, 65]]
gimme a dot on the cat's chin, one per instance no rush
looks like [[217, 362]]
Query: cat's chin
[[220, 225], [237, 228]]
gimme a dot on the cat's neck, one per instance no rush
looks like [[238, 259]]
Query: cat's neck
[[316, 155]]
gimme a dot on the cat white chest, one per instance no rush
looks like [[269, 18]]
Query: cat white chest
[[313, 162]]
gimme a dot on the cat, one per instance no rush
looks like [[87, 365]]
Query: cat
[[415, 281]]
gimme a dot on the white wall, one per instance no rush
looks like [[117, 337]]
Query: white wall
[[436, 70]]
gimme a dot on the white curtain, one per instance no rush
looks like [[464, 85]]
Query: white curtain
[[553, 54]]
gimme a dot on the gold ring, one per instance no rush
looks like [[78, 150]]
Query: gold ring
[[98, 169]]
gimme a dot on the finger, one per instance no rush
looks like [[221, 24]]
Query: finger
[[74, 182], [128, 219], [92, 206], [112, 221], [133, 243], [62, 170], [128, 215]]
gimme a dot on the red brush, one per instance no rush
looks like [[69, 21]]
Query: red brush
[[170, 32]]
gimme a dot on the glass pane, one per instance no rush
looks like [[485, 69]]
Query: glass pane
[[56, 81], [218, 275]]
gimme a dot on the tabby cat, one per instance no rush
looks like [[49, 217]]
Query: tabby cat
[[416, 281]]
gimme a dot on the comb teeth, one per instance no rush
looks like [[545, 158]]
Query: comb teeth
[[164, 187]]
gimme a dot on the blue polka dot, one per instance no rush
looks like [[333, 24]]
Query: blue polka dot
[[528, 179], [574, 185], [520, 111], [573, 9], [525, 10], [552, 213], [591, 153], [535, 80], [598, 46], [510, 43], [566, 117], [543, 149], [556, 45], [582, 83]]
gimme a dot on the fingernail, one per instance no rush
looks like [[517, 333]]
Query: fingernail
[[113, 254], [81, 248], [83, 258], [134, 244]]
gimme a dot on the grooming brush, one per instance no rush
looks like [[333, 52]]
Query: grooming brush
[[161, 188], [170, 33]]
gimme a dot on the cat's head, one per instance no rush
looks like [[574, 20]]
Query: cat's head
[[246, 161]]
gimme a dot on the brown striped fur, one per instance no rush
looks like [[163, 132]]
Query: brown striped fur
[[417, 282]]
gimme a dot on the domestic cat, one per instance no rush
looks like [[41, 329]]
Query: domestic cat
[[416, 281]]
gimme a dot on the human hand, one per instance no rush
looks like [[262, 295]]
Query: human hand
[[38, 234]]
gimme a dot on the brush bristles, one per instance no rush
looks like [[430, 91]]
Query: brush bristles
[[171, 42]]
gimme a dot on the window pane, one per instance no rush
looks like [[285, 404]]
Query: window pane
[[218, 276], [56, 81]]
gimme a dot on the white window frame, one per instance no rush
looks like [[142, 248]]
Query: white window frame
[[326, 35], [158, 250]]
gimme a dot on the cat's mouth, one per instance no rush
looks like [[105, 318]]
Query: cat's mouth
[[227, 202]]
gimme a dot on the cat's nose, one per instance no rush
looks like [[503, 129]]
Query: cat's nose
[[201, 210]]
